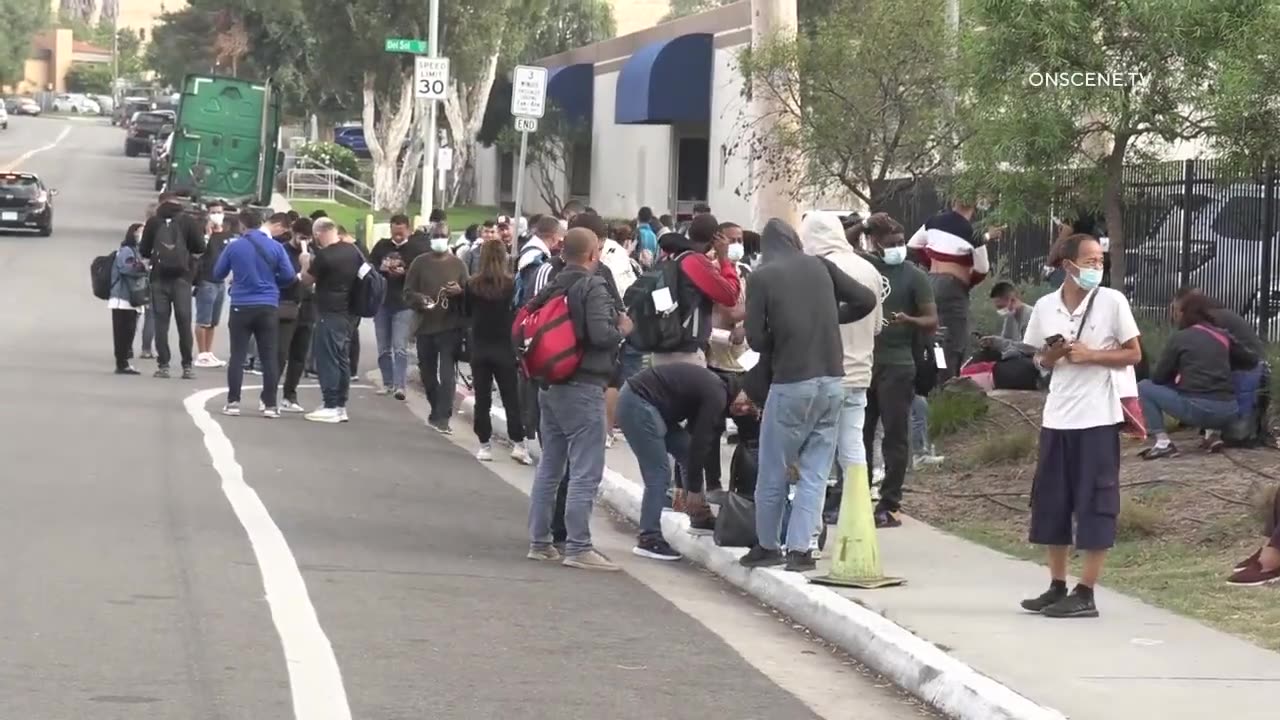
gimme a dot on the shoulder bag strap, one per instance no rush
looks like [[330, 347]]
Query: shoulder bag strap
[[1084, 317]]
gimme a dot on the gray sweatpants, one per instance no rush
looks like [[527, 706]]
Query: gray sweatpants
[[572, 434], [952, 297]]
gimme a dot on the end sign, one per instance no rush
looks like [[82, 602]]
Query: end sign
[[529, 91]]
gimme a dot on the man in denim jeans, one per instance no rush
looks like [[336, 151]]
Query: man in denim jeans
[[795, 305], [572, 413], [393, 325]]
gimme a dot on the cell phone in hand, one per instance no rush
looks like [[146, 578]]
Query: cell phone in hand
[[1054, 340]]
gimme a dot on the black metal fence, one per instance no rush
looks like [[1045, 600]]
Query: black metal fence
[[1191, 223]]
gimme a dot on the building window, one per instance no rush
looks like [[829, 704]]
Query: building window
[[506, 173], [579, 168]]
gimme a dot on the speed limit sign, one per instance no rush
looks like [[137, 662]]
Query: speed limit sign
[[430, 77]]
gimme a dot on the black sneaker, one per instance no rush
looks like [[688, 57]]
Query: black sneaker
[[1156, 453], [188, 373], [655, 548], [760, 557], [1048, 597], [441, 426], [162, 373], [398, 394], [801, 562], [127, 370], [885, 519], [704, 525], [1075, 605]]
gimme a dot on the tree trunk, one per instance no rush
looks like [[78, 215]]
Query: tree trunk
[[386, 125], [1113, 209], [464, 110]]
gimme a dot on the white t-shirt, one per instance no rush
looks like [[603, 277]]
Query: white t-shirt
[[1083, 396]]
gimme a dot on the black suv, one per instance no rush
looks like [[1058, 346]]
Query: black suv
[[25, 203], [143, 128]]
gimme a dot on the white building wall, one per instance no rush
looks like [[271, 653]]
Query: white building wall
[[630, 164], [532, 191], [729, 177], [486, 177]]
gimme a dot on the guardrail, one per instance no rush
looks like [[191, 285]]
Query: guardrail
[[313, 180]]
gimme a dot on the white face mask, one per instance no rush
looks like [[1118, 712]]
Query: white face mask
[[439, 244], [216, 218], [895, 255], [736, 252], [1002, 312]]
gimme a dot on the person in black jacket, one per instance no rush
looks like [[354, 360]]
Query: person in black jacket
[[573, 431], [488, 301], [297, 318], [172, 241], [1192, 381]]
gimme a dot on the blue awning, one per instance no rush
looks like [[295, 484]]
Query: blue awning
[[572, 89], [666, 82]]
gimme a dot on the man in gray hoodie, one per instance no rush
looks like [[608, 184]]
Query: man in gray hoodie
[[795, 305]]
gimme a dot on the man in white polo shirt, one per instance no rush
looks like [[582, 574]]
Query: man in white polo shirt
[[1086, 336]]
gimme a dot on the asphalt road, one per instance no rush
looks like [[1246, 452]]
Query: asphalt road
[[160, 561]]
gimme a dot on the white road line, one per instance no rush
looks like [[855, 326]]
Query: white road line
[[27, 155], [315, 681]]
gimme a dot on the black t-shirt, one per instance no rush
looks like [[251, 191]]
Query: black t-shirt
[[217, 243], [689, 394], [402, 256], [336, 269]]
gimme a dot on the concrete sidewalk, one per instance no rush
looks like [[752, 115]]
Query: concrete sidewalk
[[955, 637]]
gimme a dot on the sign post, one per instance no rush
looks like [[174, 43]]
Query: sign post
[[427, 202], [528, 105]]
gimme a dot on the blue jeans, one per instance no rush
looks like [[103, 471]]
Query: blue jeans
[[209, 299], [850, 448], [1160, 400], [572, 435], [653, 442], [333, 364], [797, 437], [920, 426], [393, 328]]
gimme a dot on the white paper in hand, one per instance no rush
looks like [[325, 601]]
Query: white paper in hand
[[365, 269], [662, 300], [939, 357]]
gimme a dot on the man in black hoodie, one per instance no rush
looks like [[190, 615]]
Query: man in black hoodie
[[573, 431], [172, 241], [795, 305]]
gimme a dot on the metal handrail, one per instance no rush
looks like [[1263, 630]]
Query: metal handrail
[[314, 183], [354, 187]]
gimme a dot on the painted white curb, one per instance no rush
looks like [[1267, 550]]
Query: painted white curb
[[911, 662]]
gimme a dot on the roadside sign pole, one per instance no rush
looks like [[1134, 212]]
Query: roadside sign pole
[[524, 151], [427, 201]]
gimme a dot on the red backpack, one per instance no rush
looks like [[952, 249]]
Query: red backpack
[[545, 340]]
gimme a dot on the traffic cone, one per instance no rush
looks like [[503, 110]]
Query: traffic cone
[[855, 561]]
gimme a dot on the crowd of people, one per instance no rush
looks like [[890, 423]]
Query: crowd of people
[[817, 345]]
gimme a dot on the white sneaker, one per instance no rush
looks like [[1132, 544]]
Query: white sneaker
[[272, 413], [485, 453], [342, 415], [290, 406], [214, 359], [608, 441], [384, 390], [262, 407], [205, 360], [520, 453], [231, 409], [325, 415]]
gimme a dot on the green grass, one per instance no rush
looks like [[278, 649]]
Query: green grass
[[352, 217], [951, 412], [1014, 446], [1187, 578]]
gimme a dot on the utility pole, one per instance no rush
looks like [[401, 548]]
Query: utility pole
[[427, 201], [775, 197], [115, 48], [953, 54]]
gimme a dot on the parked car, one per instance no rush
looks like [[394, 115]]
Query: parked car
[[158, 147], [163, 162], [25, 203], [128, 107], [352, 138], [106, 104], [22, 106], [142, 130], [4, 118], [75, 103]]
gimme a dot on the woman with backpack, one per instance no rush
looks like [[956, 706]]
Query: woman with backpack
[[128, 297], [489, 305]]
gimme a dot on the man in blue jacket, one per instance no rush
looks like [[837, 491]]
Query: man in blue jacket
[[259, 267]]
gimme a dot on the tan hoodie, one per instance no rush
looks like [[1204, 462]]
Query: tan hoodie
[[823, 236]]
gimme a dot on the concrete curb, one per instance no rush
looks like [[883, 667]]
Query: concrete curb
[[911, 662]]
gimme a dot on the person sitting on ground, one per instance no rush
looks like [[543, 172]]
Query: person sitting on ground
[[1192, 381], [674, 411], [1240, 329], [1014, 316], [1263, 566]]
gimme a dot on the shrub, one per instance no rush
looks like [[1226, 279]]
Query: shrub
[[332, 155], [954, 410], [1006, 447]]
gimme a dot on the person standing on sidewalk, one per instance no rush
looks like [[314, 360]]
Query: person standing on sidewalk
[[795, 305], [394, 321], [259, 267], [210, 295], [573, 415], [297, 313], [911, 313], [431, 289], [333, 271], [824, 237], [1086, 335], [128, 286], [675, 411], [489, 306], [172, 241]]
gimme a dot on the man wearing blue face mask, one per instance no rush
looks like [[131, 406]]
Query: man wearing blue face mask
[[909, 314], [1087, 336]]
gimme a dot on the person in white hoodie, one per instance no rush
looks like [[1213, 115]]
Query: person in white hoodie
[[823, 235]]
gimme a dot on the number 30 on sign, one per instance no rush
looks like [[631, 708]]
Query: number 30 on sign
[[430, 77]]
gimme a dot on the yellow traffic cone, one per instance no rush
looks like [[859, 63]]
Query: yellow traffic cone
[[856, 560]]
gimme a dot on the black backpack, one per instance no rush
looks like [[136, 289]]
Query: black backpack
[[100, 271], [169, 255], [654, 331], [369, 292]]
